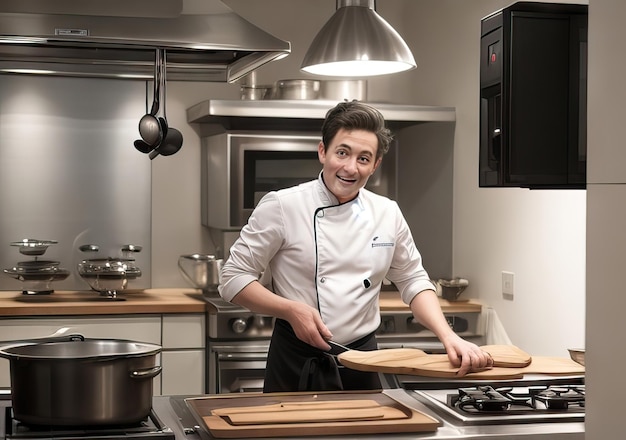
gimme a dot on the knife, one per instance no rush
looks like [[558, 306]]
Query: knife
[[336, 348]]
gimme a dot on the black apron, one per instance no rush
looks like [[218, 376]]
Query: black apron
[[293, 365]]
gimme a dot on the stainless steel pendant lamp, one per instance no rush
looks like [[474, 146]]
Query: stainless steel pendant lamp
[[356, 42]]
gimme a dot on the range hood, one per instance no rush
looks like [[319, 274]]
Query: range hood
[[215, 115], [219, 46]]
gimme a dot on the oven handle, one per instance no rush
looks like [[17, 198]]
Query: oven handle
[[235, 356]]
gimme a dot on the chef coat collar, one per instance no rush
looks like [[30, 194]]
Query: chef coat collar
[[326, 196]]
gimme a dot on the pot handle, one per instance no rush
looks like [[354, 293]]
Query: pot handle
[[65, 338], [147, 373]]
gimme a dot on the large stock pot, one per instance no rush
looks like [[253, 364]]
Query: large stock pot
[[73, 381]]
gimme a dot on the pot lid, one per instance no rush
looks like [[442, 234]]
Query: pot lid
[[31, 246], [49, 273], [37, 264], [87, 349], [200, 257]]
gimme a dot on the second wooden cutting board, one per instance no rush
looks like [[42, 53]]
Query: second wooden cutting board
[[515, 363]]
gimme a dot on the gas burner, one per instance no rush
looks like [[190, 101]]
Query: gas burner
[[486, 399], [148, 429], [561, 397], [482, 398]]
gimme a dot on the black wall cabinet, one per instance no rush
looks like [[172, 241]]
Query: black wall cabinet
[[533, 96]]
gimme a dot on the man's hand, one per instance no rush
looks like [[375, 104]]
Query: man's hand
[[308, 325], [467, 355]]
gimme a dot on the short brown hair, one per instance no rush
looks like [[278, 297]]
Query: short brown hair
[[356, 115]]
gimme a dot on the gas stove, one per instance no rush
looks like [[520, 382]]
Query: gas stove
[[149, 429], [532, 400]]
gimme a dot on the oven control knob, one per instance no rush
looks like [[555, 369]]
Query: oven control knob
[[239, 325]]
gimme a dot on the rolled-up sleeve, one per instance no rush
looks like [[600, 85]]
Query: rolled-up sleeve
[[251, 253], [407, 271]]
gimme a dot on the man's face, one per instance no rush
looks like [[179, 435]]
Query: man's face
[[349, 161]]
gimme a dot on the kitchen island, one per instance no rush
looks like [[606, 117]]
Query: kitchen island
[[182, 425]]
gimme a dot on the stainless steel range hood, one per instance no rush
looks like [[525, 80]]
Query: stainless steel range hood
[[219, 46]]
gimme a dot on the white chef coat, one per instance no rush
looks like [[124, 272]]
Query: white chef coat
[[331, 256]]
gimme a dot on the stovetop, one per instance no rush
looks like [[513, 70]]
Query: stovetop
[[560, 400], [150, 428]]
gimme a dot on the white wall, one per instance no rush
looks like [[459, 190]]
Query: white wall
[[537, 235]]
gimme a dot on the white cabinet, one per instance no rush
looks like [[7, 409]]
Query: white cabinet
[[180, 335], [183, 356]]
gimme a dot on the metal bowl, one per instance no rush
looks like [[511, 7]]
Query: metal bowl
[[108, 275], [577, 355]]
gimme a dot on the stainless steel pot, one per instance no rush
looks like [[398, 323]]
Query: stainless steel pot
[[82, 382], [108, 275], [296, 89]]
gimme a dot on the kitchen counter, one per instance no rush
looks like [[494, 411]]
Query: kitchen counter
[[150, 301], [390, 301], [173, 300]]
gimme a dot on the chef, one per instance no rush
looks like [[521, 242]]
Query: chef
[[327, 245]]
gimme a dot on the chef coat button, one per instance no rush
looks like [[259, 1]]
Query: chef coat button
[[320, 214], [322, 280]]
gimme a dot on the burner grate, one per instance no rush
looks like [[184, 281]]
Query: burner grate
[[148, 429]]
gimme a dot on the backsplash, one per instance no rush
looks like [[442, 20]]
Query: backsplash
[[69, 172]]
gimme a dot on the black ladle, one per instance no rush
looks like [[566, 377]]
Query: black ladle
[[172, 138], [150, 127]]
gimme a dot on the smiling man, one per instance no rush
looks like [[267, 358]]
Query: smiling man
[[326, 245]]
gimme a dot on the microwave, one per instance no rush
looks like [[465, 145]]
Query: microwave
[[239, 168]]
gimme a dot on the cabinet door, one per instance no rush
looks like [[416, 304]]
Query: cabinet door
[[183, 372], [184, 331]]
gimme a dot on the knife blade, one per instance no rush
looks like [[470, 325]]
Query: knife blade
[[336, 348]]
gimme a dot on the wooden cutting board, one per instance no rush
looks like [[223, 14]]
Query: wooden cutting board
[[508, 356], [257, 415], [415, 362], [314, 412]]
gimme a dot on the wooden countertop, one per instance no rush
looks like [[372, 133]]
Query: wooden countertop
[[183, 300], [173, 300], [390, 301]]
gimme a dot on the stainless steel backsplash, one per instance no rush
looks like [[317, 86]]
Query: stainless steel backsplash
[[69, 172]]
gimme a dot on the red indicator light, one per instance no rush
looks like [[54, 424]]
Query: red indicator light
[[493, 57]]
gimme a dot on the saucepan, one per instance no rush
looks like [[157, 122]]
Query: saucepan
[[451, 289], [201, 270], [74, 381]]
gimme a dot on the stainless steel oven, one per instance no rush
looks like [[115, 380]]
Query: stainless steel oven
[[237, 344], [236, 366], [238, 168]]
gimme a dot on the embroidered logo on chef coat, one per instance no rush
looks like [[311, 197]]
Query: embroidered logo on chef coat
[[376, 243]]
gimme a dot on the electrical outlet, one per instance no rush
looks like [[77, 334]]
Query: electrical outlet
[[508, 285]]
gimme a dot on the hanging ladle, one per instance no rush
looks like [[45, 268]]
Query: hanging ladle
[[151, 128], [173, 138]]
